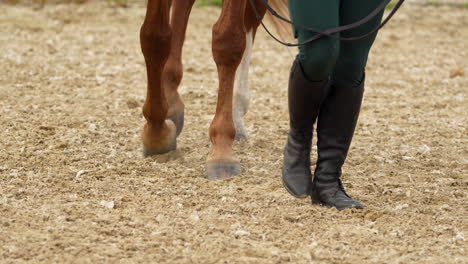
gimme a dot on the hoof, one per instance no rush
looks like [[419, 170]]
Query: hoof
[[160, 141], [148, 152], [222, 169], [178, 119]]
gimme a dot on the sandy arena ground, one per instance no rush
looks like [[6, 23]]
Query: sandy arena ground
[[75, 188]]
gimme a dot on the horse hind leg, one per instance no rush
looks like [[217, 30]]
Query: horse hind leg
[[173, 70], [241, 90], [158, 134]]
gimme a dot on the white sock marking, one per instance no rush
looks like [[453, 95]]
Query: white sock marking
[[241, 88]]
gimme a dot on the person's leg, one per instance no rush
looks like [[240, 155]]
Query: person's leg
[[307, 87], [339, 111], [317, 58], [352, 60]]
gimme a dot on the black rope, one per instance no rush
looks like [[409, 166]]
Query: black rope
[[330, 32]]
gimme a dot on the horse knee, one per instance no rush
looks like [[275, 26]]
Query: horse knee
[[228, 43], [155, 40]]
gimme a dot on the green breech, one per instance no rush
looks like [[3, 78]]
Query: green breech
[[343, 61]]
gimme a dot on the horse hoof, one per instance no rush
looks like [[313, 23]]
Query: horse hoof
[[160, 141], [148, 152], [218, 170], [178, 119]]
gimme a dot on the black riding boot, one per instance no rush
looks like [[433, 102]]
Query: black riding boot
[[335, 128], [304, 99]]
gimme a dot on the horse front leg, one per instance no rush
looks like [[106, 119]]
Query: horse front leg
[[173, 70], [228, 45], [158, 134], [241, 88]]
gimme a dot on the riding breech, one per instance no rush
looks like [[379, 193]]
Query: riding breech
[[343, 61]]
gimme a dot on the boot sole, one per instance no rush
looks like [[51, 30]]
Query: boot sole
[[318, 201]]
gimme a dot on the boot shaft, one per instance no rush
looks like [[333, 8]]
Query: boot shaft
[[335, 127], [304, 99]]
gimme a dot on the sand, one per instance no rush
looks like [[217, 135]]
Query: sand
[[75, 188]]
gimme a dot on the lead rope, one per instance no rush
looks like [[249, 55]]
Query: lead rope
[[328, 33]]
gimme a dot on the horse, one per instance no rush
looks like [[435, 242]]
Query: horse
[[162, 37]]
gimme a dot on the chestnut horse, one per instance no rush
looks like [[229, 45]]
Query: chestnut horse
[[162, 37]]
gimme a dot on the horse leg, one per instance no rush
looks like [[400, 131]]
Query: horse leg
[[228, 45], [241, 88], [173, 70], [158, 134]]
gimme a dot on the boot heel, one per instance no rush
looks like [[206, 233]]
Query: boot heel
[[314, 198], [314, 201]]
